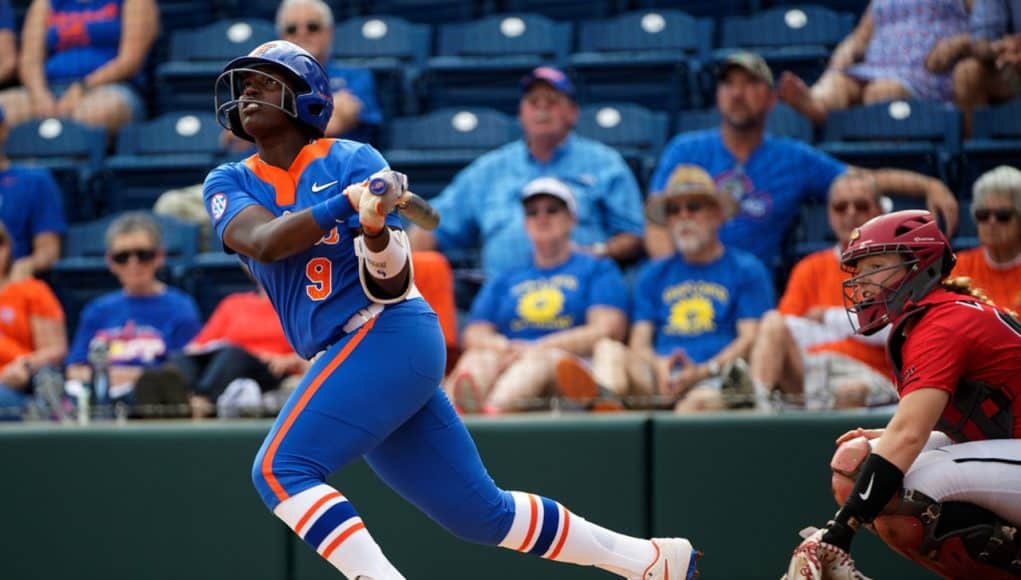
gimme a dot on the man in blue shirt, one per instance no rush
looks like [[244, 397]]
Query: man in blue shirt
[[32, 209], [769, 177], [481, 208]]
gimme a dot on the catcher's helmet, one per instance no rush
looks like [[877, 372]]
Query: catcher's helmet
[[310, 104], [925, 252]]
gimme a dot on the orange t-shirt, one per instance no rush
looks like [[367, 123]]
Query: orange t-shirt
[[1002, 286], [817, 281], [435, 280], [246, 320], [19, 302]]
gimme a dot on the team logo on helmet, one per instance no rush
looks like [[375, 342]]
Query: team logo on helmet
[[855, 234], [262, 48], [218, 205]]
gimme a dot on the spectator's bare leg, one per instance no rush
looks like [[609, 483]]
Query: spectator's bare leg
[[609, 366], [881, 90], [700, 399], [476, 370], [103, 107], [527, 378], [17, 106], [776, 360], [850, 395], [833, 91], [977, 84]]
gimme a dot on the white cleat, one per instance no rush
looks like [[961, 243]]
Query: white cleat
[[675, 560]]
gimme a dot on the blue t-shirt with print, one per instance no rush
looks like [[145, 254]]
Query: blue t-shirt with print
[[482, 206], [137, 330], [81, 36], [696, 307], [769, 188], [30, 204], [529, 303]]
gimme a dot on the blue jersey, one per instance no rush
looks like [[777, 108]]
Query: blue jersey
[[30, 204], [529, 303], [769, 187], [316, 290], [697, 307], [137, 330]]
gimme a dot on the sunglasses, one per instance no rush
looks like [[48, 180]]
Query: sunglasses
[[859, 205], [312, 26], [1002, 215], [691, 206], [548, 210], [143, 255]]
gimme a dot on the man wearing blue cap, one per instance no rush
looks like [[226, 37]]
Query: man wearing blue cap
[[32, 210], [481, 207]]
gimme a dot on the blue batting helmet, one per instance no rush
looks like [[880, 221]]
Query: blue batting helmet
[[310, 104]]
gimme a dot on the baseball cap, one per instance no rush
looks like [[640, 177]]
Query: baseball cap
[[688, 180], [751, 62], [554, 77], [553, 187]]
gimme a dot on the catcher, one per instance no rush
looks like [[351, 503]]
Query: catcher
[[941, 484]]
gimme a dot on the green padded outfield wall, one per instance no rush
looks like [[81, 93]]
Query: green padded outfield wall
[[174, 501]]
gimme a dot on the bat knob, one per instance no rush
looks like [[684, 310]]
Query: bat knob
[[378, 185]]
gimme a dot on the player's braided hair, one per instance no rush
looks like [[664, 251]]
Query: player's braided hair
[[962, 285]]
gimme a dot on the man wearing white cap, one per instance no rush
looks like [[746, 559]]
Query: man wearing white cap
[[525, 320]]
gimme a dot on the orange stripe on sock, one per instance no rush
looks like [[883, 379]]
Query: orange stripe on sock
[[267, 460], [534, 516], [563, 534], [312, 510], [340, 539]]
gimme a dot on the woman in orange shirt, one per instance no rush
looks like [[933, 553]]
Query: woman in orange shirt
[[32, 333], [995, 266]]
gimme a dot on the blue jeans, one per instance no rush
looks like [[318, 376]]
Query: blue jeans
[[12, 403]]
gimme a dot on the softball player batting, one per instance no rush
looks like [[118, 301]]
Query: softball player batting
[[334, 262], [947, 468]]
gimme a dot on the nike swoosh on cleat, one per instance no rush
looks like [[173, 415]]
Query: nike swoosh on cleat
[[868, 490], [316, 188]]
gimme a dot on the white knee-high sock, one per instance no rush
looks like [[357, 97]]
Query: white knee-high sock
[[545, 528], [330, 525]]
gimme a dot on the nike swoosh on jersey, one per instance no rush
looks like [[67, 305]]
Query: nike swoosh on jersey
[[316, 188], [868, 490]]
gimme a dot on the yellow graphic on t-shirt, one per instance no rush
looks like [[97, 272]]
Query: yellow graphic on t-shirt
[[541, 308], [692, 307]]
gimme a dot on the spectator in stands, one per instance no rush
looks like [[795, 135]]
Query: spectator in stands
[[883, 58], [8, 50], [696, 312], [995, 266], [769, 177], [807, 348], [526, 319], [31, 208], [139, 325], [979, 79], [356, 111], [480, 207], [32, 332], [81, 59], [243, 339]]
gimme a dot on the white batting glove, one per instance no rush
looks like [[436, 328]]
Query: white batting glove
[[814, 559]]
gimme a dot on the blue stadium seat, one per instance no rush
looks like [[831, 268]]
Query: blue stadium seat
[[797, 38], [432, 148], [180, 148], [636, 132], [427, 11], [570, 10], [996, 140], [783, 120], [701, 8], [214, 275], [856, 7], [392, 48], [966, 235], [198, 55], [82, 274], [643, 57], [72, 152], [915, 135], [480, 63]]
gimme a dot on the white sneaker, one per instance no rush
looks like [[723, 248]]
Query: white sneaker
[[675, 560]]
